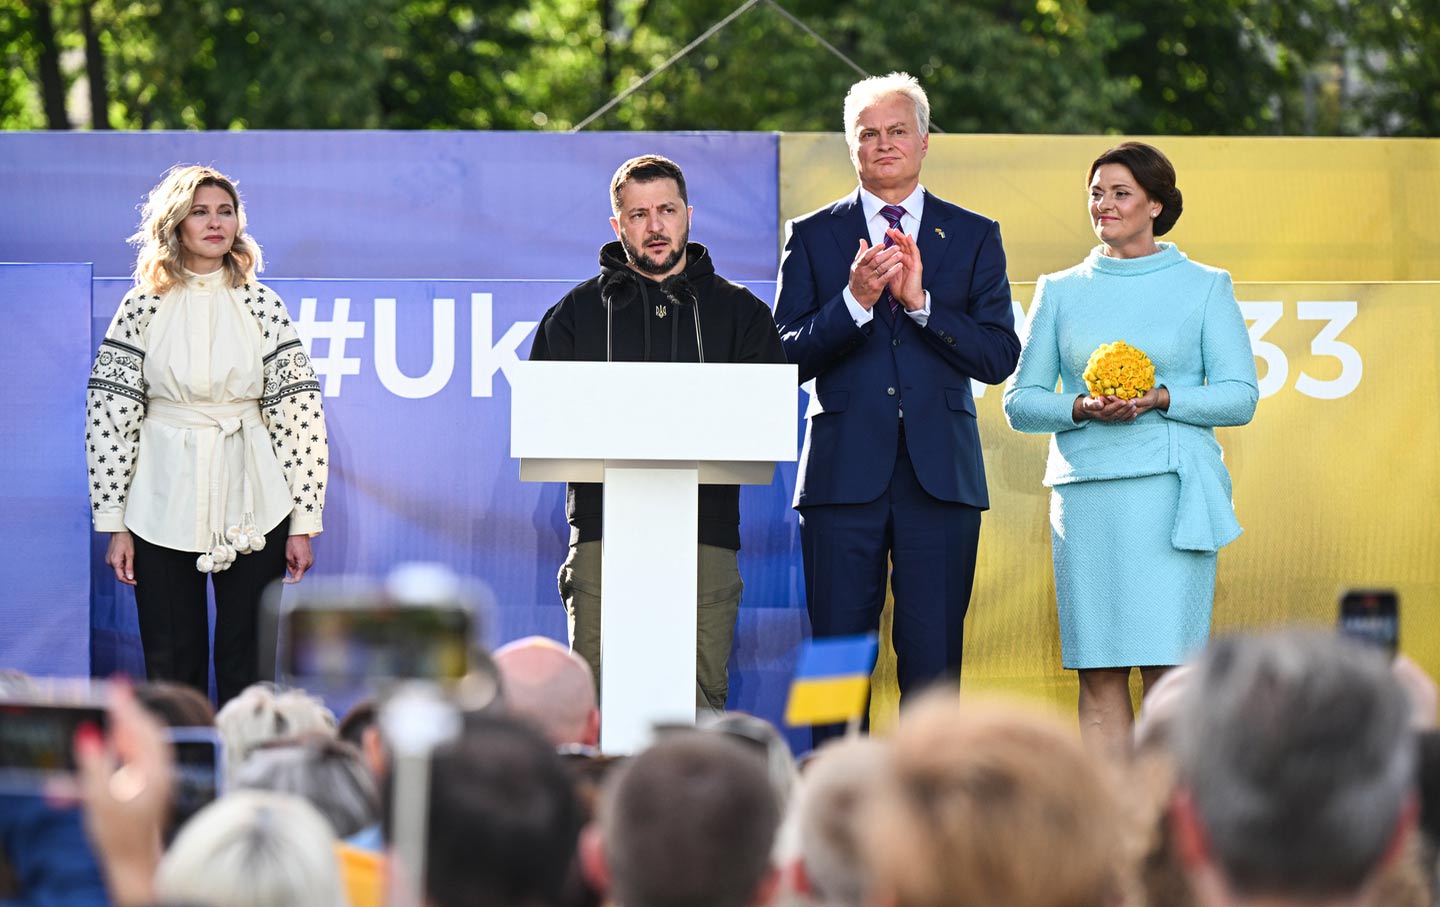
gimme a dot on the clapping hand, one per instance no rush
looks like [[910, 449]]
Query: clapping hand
[[906, 285], [872, 269]]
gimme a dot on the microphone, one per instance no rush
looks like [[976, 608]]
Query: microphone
[[616, 293], [678, 290]]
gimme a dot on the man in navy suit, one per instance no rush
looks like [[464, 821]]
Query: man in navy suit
[[893, 300]]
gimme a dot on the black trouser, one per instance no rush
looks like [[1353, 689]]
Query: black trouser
[[174, 626]]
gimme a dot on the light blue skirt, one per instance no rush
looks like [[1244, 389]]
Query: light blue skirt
[[1126, 596]]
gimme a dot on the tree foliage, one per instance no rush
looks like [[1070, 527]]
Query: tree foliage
[[1202, 67]]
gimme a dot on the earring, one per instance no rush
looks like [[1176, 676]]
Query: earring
[[1153, 213]]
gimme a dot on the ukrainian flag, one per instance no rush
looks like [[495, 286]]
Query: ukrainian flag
[[832, 681]]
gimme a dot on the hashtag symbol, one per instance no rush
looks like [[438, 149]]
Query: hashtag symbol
[[337, 329]]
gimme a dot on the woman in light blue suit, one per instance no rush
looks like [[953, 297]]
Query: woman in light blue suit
[[1140, 498]]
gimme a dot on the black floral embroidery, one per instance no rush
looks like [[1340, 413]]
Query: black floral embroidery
[[115, 401], [291, 402]]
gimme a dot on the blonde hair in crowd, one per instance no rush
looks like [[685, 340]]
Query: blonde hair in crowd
[[994, 803], [253, 849], [160, 262]]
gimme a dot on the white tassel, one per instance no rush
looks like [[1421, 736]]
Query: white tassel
[[205, 563], [233, 533], [242, 543], [257, 542]]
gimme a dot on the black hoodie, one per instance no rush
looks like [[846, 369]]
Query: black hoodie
[[655, 322]]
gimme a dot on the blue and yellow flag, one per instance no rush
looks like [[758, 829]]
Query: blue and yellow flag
[[832, 681]]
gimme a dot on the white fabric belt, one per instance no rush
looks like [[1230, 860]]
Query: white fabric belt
[[225, 419]]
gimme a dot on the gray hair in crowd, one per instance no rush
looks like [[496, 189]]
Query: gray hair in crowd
[[876, 88], [827, 816], [329, 774], [1155, 724], [263, 712], [768, 743], [1296, 751], [253, 849]]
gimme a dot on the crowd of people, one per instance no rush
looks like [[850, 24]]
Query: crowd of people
[[1291, 768], [1288, 768]]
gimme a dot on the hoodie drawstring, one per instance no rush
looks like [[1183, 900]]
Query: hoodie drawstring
[[645, 307]]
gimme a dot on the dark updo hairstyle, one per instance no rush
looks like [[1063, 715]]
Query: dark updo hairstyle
[[1155, 174]]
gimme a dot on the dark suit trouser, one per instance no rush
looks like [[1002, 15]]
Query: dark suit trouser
[[930, 545], [175, 628]]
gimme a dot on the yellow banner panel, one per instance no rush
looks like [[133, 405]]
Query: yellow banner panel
[[1336, 483], [1263, 208]]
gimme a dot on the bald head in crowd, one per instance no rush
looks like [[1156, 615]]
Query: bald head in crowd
[[688, 822], [550, 687], [1295, 765]]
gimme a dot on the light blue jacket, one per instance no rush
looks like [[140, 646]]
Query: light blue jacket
[[1183, 315]]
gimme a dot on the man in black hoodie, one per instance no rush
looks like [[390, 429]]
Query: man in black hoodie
[[666, 304]]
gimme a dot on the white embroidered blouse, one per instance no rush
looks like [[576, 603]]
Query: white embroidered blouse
[[202, 410]]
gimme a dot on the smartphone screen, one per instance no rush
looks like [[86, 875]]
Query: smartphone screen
[[199, 768], [429, 642], [1371, 616], [37, 742]]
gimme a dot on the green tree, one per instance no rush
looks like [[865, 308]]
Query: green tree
[[990, 66], [1395, 51], [33, 88], [1199, 67], [261, 64], [449, 67]]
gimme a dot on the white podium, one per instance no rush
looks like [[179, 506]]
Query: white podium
[[652, 433]]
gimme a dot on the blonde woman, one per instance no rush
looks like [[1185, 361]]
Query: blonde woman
[[204, 433]]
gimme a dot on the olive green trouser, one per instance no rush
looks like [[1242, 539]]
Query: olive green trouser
[[718, 589]]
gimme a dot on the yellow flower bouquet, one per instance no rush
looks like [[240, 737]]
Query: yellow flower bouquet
[[1119, 370]]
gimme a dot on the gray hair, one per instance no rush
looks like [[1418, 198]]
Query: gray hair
[[253, 849], [867, 91], [262, 712], [767, 741], [827, 816], [330, 776], [1296, 751]]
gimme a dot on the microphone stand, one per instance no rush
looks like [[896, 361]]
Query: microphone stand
[[679, 291]]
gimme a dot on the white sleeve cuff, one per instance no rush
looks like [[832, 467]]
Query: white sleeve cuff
[[921, 316], [858, 312]]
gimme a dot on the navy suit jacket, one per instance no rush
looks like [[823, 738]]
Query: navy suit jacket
[[863, 374]]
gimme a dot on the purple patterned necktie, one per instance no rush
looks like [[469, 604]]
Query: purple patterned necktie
[[892, 215]]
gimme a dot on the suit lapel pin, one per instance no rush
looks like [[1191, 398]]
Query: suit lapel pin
[[939, 232]]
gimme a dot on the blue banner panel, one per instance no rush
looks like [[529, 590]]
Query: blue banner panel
[[390, 204], [44, 554], [418, 411]]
